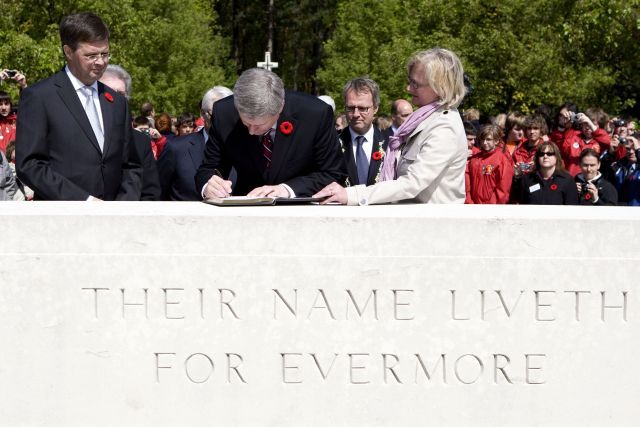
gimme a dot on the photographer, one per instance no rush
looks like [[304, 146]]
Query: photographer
[[158, 141], [624, 172], [592, 135], [15, 76], [7, 113], [592, 187]]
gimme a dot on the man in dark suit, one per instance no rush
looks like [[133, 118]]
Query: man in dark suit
[[118, 79], [74, 133], [363, 145], [182, 156], [282, 144], [401, 109]]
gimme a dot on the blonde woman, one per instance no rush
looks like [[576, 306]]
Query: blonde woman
[[425, 160]]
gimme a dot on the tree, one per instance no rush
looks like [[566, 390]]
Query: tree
[[517, 53], [299, 28], [171, 48]]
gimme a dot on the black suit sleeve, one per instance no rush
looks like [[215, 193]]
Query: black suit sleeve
[[32, 154], [327, 158], [132, 168], [216, 161], [144, 156], [167, 169]]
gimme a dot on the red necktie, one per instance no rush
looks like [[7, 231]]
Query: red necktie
[[267, 148]]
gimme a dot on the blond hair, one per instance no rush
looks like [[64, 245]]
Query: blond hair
[[443, 73]]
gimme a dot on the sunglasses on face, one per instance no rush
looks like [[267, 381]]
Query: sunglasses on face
[[547, 153]]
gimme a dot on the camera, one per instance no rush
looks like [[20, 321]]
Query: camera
[[11, 73], [573, 117], [619, 123], [623, 141], [584, 189]]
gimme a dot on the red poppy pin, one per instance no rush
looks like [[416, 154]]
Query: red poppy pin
[[553, 187], [286, 128], [108, 97], [377, 155], [587, 196]]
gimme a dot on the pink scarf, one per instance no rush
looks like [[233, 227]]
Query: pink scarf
[[400, 138]]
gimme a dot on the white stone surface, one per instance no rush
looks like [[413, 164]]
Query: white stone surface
[[63, 363]]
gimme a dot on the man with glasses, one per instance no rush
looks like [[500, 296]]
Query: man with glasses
[[281, 143], [74, 134], [363, 144]]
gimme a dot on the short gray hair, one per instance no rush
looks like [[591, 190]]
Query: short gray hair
[[443, 73], [121, 74], [362, 85], [212, 95], [258, 93]]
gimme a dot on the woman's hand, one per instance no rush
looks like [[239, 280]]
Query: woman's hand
[[334, 192]]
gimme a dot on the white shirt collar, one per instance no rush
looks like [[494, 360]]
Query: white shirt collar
[[368, 135], [77, 84]]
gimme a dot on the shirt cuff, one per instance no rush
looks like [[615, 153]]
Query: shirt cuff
[[292, 193]]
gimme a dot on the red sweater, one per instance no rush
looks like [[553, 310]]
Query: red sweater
[[490, 175], [573, 144], [7, 130]]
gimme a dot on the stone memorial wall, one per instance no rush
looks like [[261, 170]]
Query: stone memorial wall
[[188, 314]]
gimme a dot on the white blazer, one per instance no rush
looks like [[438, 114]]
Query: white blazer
[[431, 166]]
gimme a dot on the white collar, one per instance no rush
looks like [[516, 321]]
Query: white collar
[[368, 135], [77, 84]]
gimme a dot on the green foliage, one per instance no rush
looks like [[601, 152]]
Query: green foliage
[[517, 53], [171, 48]]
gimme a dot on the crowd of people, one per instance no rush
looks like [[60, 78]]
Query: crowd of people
[[571, 158], [260, 140]]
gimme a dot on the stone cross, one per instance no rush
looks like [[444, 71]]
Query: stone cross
[[267, 64]]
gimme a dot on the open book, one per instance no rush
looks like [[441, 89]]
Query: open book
[[260, 201]]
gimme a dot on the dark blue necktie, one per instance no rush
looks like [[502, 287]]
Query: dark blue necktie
[[361, 161]]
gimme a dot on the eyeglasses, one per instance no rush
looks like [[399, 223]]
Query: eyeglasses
[[95, 56], [363, 110], [547, 153], [414, 84]]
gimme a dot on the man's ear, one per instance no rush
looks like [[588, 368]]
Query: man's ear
[[66, 49]]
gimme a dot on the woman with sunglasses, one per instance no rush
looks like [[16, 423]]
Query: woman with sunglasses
[[426, 159], [549, 183]]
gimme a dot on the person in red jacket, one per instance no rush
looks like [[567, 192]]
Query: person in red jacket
[[563, 123], [535, 129], [490, 172], [7, 121], [514, 132], [591, 135]]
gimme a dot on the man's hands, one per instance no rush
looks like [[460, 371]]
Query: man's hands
[[269, 191], [217, 187]]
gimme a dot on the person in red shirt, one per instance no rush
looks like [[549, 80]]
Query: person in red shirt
[[490, 172], [523, 157], [7, 115], [471, 133], [514, 131], [563, 122], [7, 121], [591, 135]]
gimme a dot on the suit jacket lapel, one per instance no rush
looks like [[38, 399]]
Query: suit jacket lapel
[[196, 148], [281, 145], [374, 165], [347, 145], [107, 116], [72, 102]]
